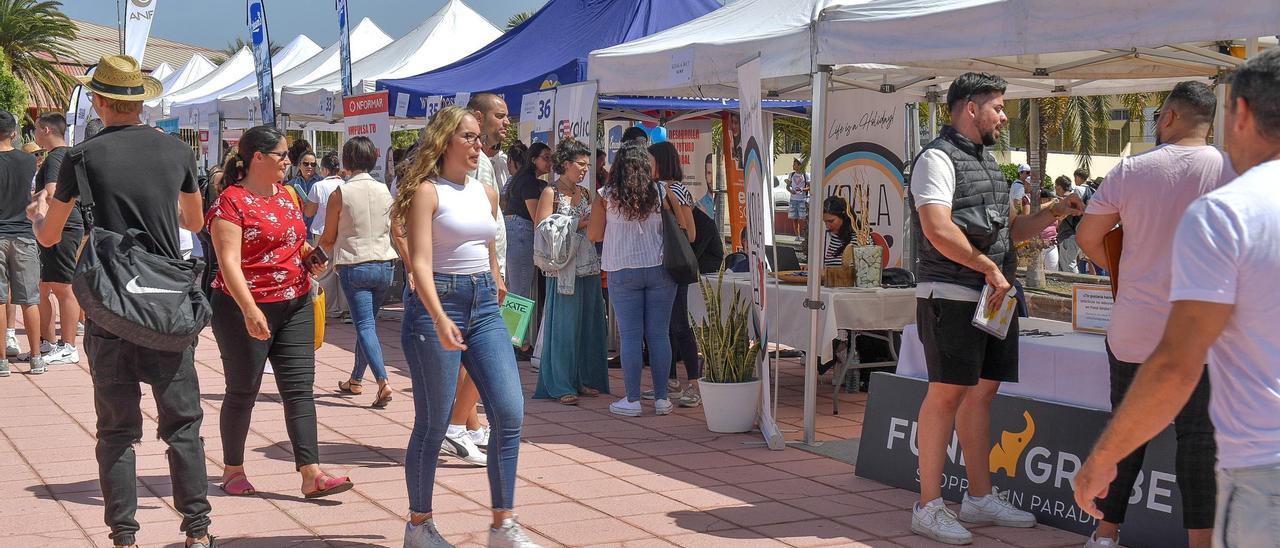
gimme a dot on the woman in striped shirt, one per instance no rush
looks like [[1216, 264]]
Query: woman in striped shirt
[[835, 215]]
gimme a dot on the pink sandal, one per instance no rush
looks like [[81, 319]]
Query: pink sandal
[[329, 485], [238, 485]]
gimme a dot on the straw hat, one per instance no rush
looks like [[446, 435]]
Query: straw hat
[[120, 77], [31, 148]]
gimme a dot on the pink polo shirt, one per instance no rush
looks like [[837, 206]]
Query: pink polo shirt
[[1150, 191]]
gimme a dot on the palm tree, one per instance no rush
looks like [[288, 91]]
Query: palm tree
[[34, 35], [235, 46], [518, 19]]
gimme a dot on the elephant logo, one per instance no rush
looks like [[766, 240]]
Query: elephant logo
[[1004, 456]]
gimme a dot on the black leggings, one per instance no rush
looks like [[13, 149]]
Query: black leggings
[[684, 346], [291, 350]]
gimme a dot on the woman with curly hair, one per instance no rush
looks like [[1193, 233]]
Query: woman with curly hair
[[575, 361], [628, 219], [452, 319]]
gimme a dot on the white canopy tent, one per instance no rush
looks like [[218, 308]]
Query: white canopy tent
[[366, 38], [191, 107], [1044, 47], [162, 71], [229, 71], [195, 68], [451, 33]]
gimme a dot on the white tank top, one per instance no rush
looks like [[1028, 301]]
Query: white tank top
[[462, 228]]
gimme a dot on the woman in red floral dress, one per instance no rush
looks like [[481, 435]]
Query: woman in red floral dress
[[262, 308]]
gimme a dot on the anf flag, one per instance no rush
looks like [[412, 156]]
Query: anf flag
[[262, 59], [137, 26]]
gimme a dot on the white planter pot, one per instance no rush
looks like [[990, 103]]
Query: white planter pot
[[730, 407]]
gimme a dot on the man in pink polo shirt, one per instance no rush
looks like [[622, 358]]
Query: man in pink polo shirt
[[1147, 194]]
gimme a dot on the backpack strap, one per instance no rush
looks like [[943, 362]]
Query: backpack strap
[[85, 202]]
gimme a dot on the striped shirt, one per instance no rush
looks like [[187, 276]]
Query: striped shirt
[[835, 249], [630, 244]]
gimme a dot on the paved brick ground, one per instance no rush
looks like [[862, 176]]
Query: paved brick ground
[[587, 478]]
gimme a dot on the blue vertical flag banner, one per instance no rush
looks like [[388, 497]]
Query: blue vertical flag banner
[[137, 26], [262, 59], [344, 46]]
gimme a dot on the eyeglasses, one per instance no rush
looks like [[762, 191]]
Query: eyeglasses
[[1156, 114], [583, 164], [308, 164], [471, 138]]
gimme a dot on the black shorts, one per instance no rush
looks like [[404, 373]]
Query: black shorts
[[58, 263], [956, 352]]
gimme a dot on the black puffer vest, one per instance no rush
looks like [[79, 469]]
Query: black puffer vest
[[980, 207]]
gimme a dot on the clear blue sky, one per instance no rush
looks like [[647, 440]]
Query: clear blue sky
[[215, 23]]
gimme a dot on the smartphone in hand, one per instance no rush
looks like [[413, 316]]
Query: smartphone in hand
[[316, 258]]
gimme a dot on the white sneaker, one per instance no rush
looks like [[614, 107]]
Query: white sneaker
[[938, 522], [424, 535], [63, 354], [46, 347], [4, 368], [510, 535], [11, 344], [625, 408], [462, 447], [80, 328], [1104, 542], [480, 437], [689, 398], [662, 406], [996, 509]]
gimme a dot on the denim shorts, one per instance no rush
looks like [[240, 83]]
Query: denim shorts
[[1248, 512]]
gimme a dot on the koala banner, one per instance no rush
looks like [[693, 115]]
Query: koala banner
[[1037, 449], [866, 141]]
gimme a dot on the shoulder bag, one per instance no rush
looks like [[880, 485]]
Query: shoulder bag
[[677, 254]]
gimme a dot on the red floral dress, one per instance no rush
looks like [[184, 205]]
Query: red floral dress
[[271, 247]]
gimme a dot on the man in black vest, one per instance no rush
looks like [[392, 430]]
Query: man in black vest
[[964, 230]]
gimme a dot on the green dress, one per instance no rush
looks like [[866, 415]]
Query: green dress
[[573, 328]]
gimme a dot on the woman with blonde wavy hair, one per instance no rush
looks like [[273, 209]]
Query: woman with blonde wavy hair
[[452, 318]]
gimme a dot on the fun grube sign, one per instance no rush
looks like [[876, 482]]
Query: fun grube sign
[[865, 134]]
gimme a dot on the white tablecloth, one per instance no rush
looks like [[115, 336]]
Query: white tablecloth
[[1070, 369], [846, 309]]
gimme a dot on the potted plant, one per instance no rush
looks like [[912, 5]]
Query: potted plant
[[729, 386]]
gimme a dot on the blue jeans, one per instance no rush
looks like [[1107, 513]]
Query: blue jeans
[[522, 275], [471, 302], [1246, 513], [642, 300], [365, 286]]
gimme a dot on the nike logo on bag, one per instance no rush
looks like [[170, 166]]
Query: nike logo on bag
[[136, 289]]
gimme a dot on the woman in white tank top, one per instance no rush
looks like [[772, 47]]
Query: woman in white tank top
[[452, 316]]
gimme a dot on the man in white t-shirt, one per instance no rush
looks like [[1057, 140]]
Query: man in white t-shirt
[[1226, 302], [1018, 189], [1181, 169], [491, 111], [964, 231]]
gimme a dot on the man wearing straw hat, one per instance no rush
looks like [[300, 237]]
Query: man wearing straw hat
[[143, 180]]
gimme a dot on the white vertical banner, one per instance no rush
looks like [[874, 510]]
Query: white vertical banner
[[215, 141], [369, 116], [537, 118], [759, 208], [462, 98], [575, 116], [137, 26], [432, 104], [865, 134]]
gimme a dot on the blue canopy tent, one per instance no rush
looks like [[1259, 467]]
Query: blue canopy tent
[[548, 50]]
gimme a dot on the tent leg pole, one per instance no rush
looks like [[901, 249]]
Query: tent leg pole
[[1220, 117], [817, 162]]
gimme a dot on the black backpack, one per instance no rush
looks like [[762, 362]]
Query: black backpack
[[708, 247], [130, 290]]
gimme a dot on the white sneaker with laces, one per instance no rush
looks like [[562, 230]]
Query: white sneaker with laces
[[462, 447], [424, 535], [625, 407], [510, 535], [1104, 542], [662, 406], [994, 509], [480, 437], [936, 521], [63, 354], [11, 344], [38, 366]]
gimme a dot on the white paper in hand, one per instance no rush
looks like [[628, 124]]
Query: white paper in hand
[[995, 322]]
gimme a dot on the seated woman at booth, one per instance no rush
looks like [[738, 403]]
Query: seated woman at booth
[[835, 215]]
